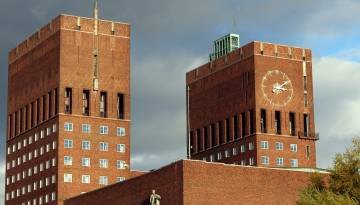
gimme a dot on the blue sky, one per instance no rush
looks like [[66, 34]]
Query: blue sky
[[170, 37]]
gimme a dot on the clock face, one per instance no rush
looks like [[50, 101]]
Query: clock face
[[277, 88]]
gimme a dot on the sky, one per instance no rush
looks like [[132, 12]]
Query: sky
[[170, 37]]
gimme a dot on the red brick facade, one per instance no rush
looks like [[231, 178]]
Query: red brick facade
[[254, 106], [57, 58], [199, 183]]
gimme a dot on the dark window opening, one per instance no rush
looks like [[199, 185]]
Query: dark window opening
[[213, 134], [307, 151], [206, 138], [26, 117], [32, 115], [305, 83], [227, 127], [56, 101], [277, 122], [191, 142], [16, 123], [306, 125], [43, 108], [252, 122], [198, 140], [292, 123], [10, 126], [21, 121], [221, 133], [68, 100], [236, 127], [243, 124], [263, 121], [305, 100], [50, 106], [37, 111], [103, 104], [120, 106], [86, 102]]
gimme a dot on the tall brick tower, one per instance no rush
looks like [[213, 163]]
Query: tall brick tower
[[68, 110], [253, 106]]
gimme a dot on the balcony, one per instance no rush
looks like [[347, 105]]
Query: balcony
[[308, 135]]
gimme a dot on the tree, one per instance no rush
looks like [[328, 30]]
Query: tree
[[344, 181]]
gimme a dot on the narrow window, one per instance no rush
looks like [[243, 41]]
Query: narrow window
[[198, 141], [86, 102], [292, 123], [44, 108], [305, 83], [37, 111], [305, 100], [120, 106], [26, 117], [21, 120], [252, 120], [308, 151], [243, 124], [206, 138], [68, 100], [236, 127], [221, 133], [103, 104], [32, 114], [263, 121], [227, 127], [191, 142], [56, 101], [213, 134], [306, 125], [277, 122], [10, 126], [50, 105]]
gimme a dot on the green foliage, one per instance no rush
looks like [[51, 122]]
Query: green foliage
[[344, 181]]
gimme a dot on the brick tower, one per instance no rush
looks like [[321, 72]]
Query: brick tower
[[253, 106], [68, 110]]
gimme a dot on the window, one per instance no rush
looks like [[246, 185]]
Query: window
[[68, 126], [85, 162], [227, 129], [280, 161], [265, 160], [120, 131], [243, 124], [278, 122], [293, 147], [103, 104], [252, 122], [206, 138], [32, 116], [219, 156], [264, 144], [68, 100], [85, 145], [306, 125], [305, 100], [279, 146], [294, 163], [56, 101], [251, 161], [104, 130], [198, 141], [104, 146], [86, 103], [68, 143], [120, 164], [242, 148], [50, 106], [67, 177], [86, 128], [263, 121], [67, 160], [292, 123], [227, 154], [213, 134], [234, 151], [236, 126], [103, 180], [120, 179], [221, 133], [120, 148], [251, 146], [44, 103], [308, 151], [54, 128], [85, 179], [103, 163], [37, 111], [212, 158], [120, 106]]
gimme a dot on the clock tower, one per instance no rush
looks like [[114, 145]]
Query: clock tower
[[253, 106]]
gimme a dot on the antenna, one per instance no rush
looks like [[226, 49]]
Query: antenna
[[96, 48]]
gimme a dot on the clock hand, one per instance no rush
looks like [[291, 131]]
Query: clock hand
[[285, 83]]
